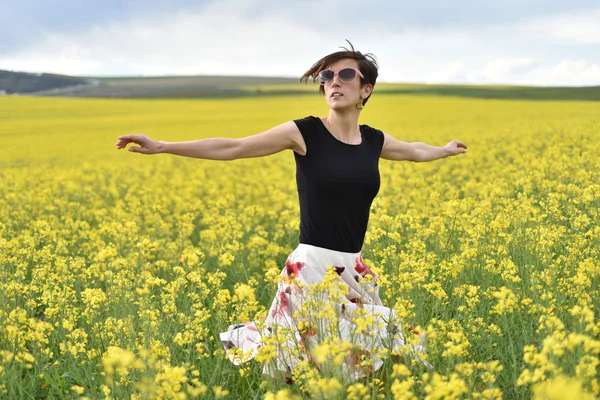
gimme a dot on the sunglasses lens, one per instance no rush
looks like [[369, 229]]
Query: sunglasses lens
[[347, 74], [326, 76]]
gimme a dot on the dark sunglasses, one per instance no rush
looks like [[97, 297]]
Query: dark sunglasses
[[346, 75]]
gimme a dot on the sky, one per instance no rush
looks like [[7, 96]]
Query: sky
[[521, 42]]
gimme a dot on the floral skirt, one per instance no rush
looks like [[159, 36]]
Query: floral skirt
[[326, 313]]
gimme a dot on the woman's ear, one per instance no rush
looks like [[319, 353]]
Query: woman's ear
[[366, 91]]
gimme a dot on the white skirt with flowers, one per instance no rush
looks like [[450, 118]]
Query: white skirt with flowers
[[326, 315]]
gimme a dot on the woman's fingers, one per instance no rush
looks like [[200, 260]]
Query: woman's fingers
[[457, 147], [147, 145], [125, 139]]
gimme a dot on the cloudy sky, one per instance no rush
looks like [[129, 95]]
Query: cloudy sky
[[536, 42]]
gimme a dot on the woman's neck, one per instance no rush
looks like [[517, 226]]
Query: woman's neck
[[344, 126]]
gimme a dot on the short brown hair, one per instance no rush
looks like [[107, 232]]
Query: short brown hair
[[367, 65]]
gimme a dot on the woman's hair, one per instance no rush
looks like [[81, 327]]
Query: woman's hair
[[367, 65]]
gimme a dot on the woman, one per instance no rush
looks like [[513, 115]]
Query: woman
[[337, 177]]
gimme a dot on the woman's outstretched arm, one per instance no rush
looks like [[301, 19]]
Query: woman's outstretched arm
[[279, 138], [397, 150]]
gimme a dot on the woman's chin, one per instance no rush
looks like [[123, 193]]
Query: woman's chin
[[338, 106]]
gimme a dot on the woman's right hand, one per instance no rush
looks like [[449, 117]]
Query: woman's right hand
[[147, 145]]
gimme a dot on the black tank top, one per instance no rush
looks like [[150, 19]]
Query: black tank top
[[337, 183]]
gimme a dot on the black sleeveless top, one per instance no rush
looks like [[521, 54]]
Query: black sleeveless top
[[337, 183]]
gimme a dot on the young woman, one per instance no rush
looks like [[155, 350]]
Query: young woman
[[337, 177]]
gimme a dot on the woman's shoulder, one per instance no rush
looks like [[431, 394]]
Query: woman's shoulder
[[374, 135], [309, 118], [371, 130], [309, 123]]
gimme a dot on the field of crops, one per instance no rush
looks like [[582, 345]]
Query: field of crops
[[119, 270]]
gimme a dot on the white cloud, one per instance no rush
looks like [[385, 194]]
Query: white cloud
[[525, 71], [569, 28], [505, 71], [508, 66], [453, 71], [230, 38], [217, 40], [566, 72], [502, 70]]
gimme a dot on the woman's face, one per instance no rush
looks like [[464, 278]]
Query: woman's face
[[340, 95]]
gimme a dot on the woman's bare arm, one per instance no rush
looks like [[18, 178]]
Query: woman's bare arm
[[397, 150], [279, 138]]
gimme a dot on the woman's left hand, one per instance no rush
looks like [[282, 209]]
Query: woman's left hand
[[455, 147]]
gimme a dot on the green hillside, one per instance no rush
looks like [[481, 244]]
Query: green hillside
[[23, 82], [246, 86]]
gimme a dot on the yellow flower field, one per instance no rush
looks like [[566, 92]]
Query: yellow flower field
[[119, 270]]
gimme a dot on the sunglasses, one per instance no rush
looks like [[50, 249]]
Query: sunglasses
[[346, 75]]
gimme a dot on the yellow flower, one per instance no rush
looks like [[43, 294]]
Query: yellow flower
[[402, 389], [283, 394], [400, 370], [106, 390], [325, 387], [561, 388], [197, 391], [226, 259], [220, 392], [507, 301], [357, 391], [78, 389], [321, 353], [244, 292]]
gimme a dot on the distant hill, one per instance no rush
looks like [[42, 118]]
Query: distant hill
[[507, 92], [24, 82], [182, 86], [243, 86], [134, 87]]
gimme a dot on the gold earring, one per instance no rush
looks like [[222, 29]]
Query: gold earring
[[359, 105]]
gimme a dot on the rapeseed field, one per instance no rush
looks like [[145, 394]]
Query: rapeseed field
[[118, 270]]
